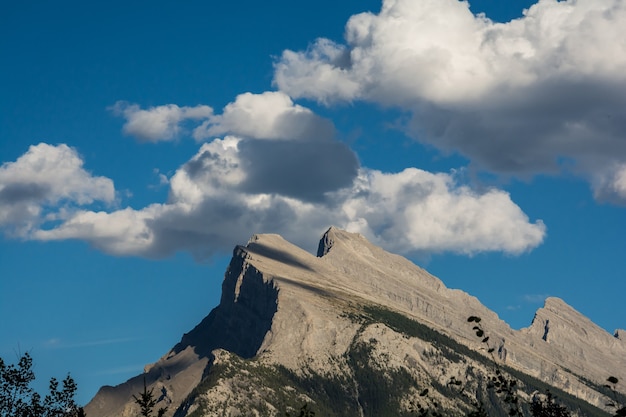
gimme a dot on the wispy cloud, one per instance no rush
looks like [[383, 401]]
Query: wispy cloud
[[121, 370], [535, 298], [57, 343], [528, 299]]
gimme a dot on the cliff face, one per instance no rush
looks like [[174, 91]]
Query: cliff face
[[243, 317], [238, 325], [353, 310]]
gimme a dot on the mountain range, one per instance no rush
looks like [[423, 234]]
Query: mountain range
[[358, 331]]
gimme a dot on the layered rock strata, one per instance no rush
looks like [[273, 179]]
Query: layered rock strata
[[284, 307]]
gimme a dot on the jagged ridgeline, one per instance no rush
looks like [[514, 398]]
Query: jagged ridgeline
[[357, 331]]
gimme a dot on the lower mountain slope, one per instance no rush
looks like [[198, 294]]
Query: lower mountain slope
[[358, 331]]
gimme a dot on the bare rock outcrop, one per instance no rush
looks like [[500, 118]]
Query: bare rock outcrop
[[238, 324], [288, 309]]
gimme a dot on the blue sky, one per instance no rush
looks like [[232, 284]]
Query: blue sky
[[140, 142]]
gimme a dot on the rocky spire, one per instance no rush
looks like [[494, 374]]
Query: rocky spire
[[326, 242]]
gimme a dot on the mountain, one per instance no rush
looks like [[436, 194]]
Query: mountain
[[358, 331]]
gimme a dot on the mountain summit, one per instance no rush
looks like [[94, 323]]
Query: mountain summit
[[359, 331]]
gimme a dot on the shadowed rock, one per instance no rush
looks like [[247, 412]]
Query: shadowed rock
[[287, 308]]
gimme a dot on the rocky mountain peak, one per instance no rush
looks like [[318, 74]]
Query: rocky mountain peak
[[557, 305], [283, 308], [574, 336], [556, 315], [326, 242], [335, 236]]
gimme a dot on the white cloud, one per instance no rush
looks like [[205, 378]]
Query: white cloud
[[438, 51], [121, 232], [43, 183], [163, 180], [217, 166], [270, 115], [317, 73], [160, 123], [535, 298], [210, 209], [610, 185], [296, 183], [543, 93], [418, 211], [223, 194]]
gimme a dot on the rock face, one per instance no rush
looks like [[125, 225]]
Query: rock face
[[357, 331]]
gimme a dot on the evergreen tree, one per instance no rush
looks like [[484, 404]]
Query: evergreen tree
[[147, 402], [19, 399], [547, 407]]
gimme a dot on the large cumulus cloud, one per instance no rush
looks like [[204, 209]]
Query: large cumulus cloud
[[288, 174], [413, 211], [418, 211], [543, 93]]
